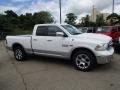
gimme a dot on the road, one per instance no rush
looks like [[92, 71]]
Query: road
[[43, 73]]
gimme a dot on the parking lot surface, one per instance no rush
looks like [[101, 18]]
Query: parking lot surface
[[44, 73]]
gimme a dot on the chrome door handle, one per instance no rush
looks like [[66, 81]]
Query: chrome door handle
[[49, 40]]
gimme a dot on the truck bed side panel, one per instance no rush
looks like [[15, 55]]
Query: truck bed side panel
[[24, 41]]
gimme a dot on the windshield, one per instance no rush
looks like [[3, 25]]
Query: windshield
[[72, 30]]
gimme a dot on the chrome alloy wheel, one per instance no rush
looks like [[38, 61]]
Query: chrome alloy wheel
[[18, 54], [82, 61]]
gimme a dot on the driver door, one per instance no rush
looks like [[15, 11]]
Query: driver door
[[56, 44]]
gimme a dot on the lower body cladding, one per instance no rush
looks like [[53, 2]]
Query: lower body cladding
[[104, 56]]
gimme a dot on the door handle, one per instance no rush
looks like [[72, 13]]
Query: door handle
[[35, 39], [49, 40]]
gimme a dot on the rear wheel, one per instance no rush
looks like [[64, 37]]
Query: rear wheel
[[84, 60], [19, 53]]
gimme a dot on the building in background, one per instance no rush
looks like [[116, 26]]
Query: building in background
[[95, 13]]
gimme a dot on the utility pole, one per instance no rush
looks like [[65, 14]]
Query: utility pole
[[60, 10], [113, 4]]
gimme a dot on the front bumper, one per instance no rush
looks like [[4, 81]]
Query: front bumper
[[105, 56], [104, 59]]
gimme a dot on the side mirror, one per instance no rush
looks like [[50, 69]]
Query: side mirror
[[60, 34]]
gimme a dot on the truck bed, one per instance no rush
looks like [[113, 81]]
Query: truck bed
[[24, 40]]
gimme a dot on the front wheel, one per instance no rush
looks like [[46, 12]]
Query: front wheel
[[84, 60], [19, 53]]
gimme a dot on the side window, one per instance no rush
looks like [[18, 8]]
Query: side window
[[41, 31], [52, 30]]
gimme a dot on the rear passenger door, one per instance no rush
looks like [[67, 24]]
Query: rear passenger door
[[39, 43]]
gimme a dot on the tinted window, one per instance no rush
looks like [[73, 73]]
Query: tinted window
[[52, 30], [41, 31]]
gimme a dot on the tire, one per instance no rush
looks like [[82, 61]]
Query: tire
[[19, 53], [84, 60]]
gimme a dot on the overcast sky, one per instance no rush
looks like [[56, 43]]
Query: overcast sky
[[79, 7]]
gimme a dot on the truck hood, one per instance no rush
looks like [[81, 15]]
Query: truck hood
[[93, 37]]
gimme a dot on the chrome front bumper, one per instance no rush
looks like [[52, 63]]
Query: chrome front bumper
[[104, 59]]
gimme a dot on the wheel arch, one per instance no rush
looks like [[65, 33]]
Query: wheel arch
[[82, 48], [16, 44]]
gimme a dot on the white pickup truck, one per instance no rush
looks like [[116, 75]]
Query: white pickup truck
[[86, 50]]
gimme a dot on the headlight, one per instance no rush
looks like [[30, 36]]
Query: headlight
[[101, 47]]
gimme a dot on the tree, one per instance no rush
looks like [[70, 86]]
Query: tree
[[100, 20], [86, 20], [10, 13], [114, 18], [7, 21], [26, 21], [43, 17], [10, 21], [71, 18], [3, 22]]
